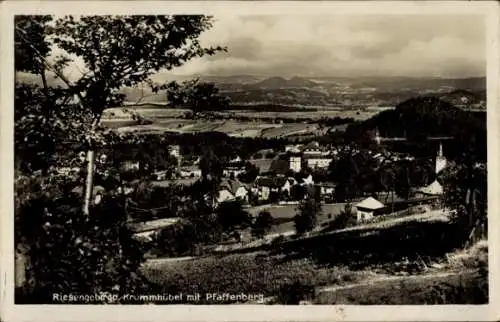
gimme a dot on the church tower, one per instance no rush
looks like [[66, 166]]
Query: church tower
[[441, 161]]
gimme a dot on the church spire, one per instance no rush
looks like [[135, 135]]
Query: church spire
[[441, 161], [377, 136]]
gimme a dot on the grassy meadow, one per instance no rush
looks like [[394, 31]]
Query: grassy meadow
[[252, 124]]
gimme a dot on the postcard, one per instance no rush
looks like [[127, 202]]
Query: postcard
[[247, 161]]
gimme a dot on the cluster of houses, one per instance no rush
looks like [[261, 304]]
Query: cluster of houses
[[275, 179], [274, 186]]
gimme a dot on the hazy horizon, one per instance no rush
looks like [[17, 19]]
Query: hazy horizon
[[344, 46]]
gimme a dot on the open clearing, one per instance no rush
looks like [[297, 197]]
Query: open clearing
[[173, 120]]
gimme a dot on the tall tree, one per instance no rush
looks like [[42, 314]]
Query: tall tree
[[465, 193], [307, 216], [200, 97], [31, 45], [111, 52], [119, 51]]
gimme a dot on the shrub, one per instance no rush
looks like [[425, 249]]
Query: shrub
[[345, 218], [263, 224], [68, 251], [230, 215], [306, 218]]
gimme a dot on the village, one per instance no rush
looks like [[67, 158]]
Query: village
[[285, 178]]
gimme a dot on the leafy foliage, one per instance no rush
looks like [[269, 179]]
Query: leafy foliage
[[230, 215], [346, 218], [263, 224], [422, 117], [198, 96], [116, 51], [70, 251], [31, 43], [306, 218], [251, 172], [143, 44], [465, 193]]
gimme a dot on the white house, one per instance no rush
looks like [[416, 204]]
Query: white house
[[307, 181], [263, 186], [232, 189], [319, 161], [434, 189], [366, 208], [233, 168], [326, 188]]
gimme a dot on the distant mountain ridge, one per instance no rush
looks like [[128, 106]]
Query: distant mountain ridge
[[280, 82], [318, 91]]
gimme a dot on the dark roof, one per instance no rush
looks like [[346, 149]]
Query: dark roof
[[313, 145], [263, 164], [279, 166], [231, 185], [272, 182]]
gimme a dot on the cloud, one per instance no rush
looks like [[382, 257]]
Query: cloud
[[413, 45]]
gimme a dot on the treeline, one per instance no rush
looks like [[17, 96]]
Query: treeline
[[419, 118], [271, 108]]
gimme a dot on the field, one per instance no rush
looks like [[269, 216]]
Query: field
[[315, 114], [251, 274], [252, 123], [230, 127]]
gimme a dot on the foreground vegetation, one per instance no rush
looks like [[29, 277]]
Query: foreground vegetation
[[458, 280], [245, 273]]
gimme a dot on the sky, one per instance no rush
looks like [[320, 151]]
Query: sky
[[353, 46]]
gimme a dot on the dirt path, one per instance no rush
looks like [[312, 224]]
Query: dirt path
[[160, 261], [388, 278]]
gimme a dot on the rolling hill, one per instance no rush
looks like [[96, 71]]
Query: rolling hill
[[280, 82]]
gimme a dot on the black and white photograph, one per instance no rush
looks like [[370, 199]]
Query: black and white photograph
[[254, 158]]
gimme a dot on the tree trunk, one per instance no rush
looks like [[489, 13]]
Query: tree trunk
[[89, 182], [44, 82]]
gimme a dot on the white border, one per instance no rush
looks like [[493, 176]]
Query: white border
[[10, 312]]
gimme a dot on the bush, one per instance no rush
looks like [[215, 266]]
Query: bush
[[68, 251], [344, 219], [263, 224], [306, 218], [230, 215], [295, 292]]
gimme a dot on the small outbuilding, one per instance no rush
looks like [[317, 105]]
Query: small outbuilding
[[366, 209]]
